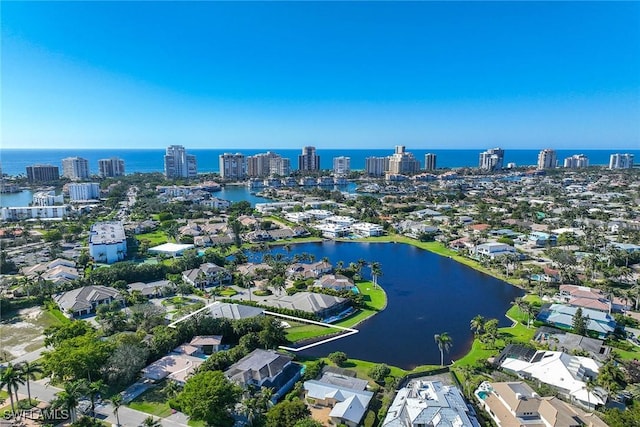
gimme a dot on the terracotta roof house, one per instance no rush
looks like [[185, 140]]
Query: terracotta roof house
[[337, 282], [515, 404]]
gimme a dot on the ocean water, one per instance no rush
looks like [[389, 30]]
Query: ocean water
[[14, 162]]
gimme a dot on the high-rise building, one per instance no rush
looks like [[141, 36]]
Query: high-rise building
[[43, 173], [269, 163], [547, 159], [342, 165], [75, 168], [430, 162], [84, 191], [621, 161], [376, 166], [179, 164], [309, 160], [233, 166], [47, 198], [576, 161], [402, 162], [492, 159], [112, 167], [280, 166]]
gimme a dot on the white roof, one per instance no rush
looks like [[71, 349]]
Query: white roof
[[170, 248]]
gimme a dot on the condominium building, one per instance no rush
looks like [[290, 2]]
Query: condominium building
[[43, 173], [28, 212], [269, 163], [179, 164], [309, 160], [547, 159], [576, 161], [233, 166], [75, 168], [430, 162], [111, 167], [107, 242], [376, 166], [342, 165], [47, 198], [492, 159], [403, 162], [621, 161], [84, 191]]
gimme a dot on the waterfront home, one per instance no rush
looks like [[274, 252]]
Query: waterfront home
[[494, 249], [265, 368], [207, 275], [593, 298], [558, 339], [367, 229], [85, 300], [233, 311], [566, 373], [561, 315], [298, 217], [337, 282], [512, 404], [429, 403], [305, 271], [323, 306], [254, 269], [348, 405], [332, 231]]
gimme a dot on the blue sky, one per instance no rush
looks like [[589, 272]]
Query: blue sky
[[333, 74]]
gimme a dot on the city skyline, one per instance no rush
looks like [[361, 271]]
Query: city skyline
[[519, 75]]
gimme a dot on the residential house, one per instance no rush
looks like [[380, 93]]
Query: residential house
[[306, 271], [337, 282], [429, 403], [234, 311], [202, 345], [557, 339], [323, 306], [157, 289], [177, 367], [494, 249], [85, 300], [207, 275], [265, 368], [539, 239], [592, 298], [348, 405], [515, 404], [566, 373], [561, 315]]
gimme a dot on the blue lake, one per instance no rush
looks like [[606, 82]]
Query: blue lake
[[427, 294]]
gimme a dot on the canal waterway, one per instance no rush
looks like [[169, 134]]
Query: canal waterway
[[427, 294]]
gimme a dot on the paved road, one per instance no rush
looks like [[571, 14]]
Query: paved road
[[128, 417], [29, 357]]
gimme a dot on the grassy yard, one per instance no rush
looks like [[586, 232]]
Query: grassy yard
[[153, 401], [376, 300], [155, 238], [22, 332]]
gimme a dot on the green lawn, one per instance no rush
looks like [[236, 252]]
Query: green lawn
[[155, 238], [153, 401], [376, 300], [228, 292]]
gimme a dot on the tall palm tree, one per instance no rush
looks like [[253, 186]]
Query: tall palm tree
[[444, 342], [376, 271], [477, 325], [28, 372], [95, 389], [11, 379], [70, 397], [116, 402]]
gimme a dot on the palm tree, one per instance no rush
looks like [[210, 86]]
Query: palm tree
[[116, 402], [444, 342], [28, 372], [151, 422], [11, 379], [95, 389], [376, 271], [70, 397], [477, 325]]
